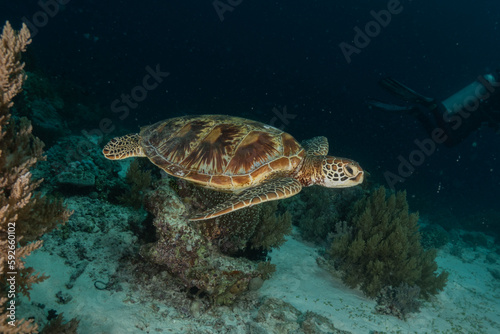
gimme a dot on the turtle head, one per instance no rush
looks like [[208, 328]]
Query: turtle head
[[339, 173], [124, 147]]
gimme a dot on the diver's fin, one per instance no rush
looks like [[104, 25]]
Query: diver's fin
[[384, 106], [398, 89]]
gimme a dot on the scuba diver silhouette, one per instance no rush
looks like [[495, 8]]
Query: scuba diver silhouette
[[456, 117]]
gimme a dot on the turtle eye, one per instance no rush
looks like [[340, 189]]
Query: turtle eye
[[349, 170]]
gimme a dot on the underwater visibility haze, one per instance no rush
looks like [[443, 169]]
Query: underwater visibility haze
[[233, 166]]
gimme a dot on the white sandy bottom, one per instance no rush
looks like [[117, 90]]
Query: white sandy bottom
[[469, 303]]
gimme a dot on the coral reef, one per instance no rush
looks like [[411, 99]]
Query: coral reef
[[278, 316], [475, 239], [76, 166], [399, 301], [457, 250], [57, 325], [495, 273], [97, 240], [23, 216], [94, 244], [383, 248], [196, 253], [491, 258], [480, 220], [434, 236], [462, 240]]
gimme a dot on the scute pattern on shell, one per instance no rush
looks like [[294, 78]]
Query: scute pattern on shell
[[219, 149]]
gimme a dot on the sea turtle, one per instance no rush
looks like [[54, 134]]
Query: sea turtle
[[254, 161]]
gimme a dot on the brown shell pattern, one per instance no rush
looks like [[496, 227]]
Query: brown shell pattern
[[221, 152]]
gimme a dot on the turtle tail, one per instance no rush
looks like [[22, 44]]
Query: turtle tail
[[124, 147]]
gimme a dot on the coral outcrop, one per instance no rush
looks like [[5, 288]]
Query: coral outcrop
[[434, 236], [75, 166], [399, 301], [198, 254], [381, 247], [24, 215], [278, 316], [257, 229]]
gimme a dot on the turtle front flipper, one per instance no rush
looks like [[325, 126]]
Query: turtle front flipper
[[268, 191], [124, 147], [316, 145]]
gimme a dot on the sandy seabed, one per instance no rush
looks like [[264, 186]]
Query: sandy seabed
[[470, 303]]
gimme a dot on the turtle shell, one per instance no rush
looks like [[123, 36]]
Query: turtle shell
[[221, 152]]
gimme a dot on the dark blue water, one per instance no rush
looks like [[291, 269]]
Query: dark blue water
[[265, 56]]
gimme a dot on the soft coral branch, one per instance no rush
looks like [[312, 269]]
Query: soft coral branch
[[21, 209]]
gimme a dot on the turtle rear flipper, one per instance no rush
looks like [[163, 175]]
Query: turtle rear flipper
[[269, 191]]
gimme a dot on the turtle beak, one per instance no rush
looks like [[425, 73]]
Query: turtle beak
[[359, 178], [357, 174]]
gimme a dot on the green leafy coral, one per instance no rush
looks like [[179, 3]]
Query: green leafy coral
[[382, 247], [316, 209]]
